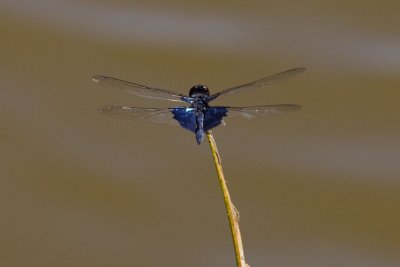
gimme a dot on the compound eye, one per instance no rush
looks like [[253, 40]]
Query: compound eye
[[199, 90]]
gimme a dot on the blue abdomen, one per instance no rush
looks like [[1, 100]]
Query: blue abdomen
[[213, 117], [186, 117]]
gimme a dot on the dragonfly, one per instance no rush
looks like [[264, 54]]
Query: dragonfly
[[197, 116]]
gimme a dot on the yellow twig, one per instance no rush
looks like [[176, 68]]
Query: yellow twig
[[233, 214]]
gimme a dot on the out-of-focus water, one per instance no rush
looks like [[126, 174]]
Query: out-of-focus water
[[318, 187]]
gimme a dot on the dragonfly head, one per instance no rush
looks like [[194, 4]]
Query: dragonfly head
[[199, 90]]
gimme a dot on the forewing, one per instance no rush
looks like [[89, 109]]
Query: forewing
[[154, 115], [257, 111], [137, 89], [264, 82]]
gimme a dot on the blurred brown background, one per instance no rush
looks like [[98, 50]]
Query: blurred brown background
[[318, 187]]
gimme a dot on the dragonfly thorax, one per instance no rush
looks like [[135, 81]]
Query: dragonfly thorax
[[200, 103], [199, 90]]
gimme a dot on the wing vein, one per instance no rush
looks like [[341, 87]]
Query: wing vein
[[264, 82], [137, 89]]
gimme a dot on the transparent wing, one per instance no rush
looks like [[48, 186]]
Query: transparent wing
[[257, 111], [154, 115], [137, 89], [264, 82]]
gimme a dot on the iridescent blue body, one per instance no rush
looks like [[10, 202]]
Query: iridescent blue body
[[199, 117]]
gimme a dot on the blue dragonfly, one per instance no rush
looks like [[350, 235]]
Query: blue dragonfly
[[198, 117]]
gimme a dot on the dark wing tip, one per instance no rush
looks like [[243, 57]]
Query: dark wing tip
[[298, 70]]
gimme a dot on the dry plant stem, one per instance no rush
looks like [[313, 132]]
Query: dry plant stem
[[233, 215]]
